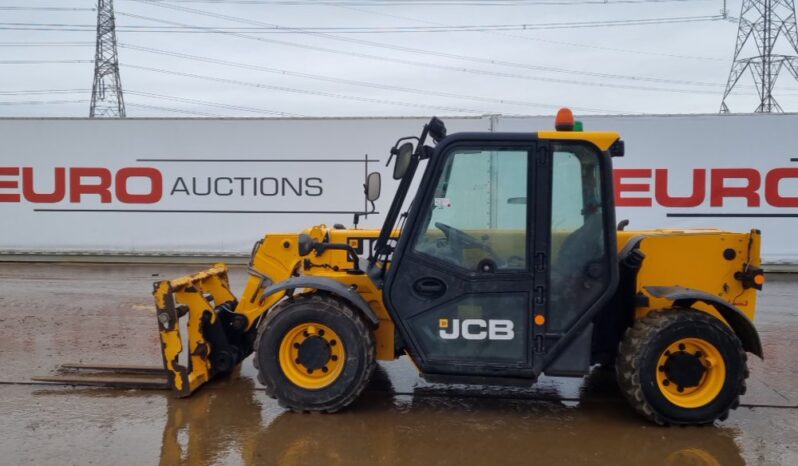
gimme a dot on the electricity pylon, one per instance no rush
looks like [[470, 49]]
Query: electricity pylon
[[764, 25], [106, 93]]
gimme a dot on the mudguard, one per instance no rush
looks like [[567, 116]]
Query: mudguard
[[321, 283], [738, 321]]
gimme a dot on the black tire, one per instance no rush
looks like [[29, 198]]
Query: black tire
[[649, 337], [357, 339]]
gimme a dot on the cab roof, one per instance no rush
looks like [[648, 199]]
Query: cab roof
[[601, 139]]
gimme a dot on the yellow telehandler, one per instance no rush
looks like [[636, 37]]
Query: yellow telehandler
[[507, 264]]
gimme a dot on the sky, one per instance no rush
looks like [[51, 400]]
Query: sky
[[328, 65]]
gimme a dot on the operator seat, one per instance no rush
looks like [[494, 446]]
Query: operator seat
[[571, 281]]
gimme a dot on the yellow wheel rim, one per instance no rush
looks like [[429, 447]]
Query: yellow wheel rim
[[691, 372], [312, 355]]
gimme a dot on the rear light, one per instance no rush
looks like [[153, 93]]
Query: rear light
[[751, 277]]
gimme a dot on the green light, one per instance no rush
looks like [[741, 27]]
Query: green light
[[578, 126]]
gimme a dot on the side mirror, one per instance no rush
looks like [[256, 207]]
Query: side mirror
[[403, 156], [373, 186]]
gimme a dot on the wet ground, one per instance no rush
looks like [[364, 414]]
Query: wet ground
[[54, 314]]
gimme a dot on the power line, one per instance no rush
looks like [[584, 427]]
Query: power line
[[172, 109], [425, 2], [152, 95], [20, 23], [390, 87], [537, 39], [372, 29], [358, 83], [549, 41], [44, 102], [212, 104], [458, 69], [321, 93], [43, 8], [448, 28], [46, 44], [304, 91], [372, 4], [301, 30], [45, 91], [375, 45], [41, 62]]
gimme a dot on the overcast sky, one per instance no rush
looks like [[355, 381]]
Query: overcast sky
[[657, 68]]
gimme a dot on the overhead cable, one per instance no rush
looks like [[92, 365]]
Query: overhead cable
[[45, 91], [44, 8], [460, 69], [391, 87], [399, 48], [42, 62], [46, 44], [329, 94], [44, 102], [369, 29], [538, 39], [383, 3], [173, 110], [211, 104]]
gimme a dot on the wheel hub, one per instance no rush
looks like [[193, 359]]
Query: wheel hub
[[314, 353], [691, 372], [685, 369]]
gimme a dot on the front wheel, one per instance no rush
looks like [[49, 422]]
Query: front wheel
[[314, 353], [681, 366]]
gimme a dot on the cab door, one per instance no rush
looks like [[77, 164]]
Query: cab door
[[462, 286]]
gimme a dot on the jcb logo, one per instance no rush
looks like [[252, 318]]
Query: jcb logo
[[476, 329]]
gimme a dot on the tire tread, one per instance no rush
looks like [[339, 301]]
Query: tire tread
[[632, 347], [364, 333]]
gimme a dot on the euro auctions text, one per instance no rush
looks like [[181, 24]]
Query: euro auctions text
[[140, 185]]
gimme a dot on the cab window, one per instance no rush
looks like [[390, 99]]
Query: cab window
[[477, 219], [579, 261]]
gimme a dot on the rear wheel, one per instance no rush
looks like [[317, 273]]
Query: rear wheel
[[314, 353], [681, 366]]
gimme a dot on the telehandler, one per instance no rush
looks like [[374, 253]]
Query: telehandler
[[507, 264]]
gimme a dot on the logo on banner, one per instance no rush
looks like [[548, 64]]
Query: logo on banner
[[715, 187], [73, 184], [76, 183]]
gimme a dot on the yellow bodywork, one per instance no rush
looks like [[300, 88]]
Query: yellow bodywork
[[195, 295], [602, 139], [275, 258], [695, 259], [686, 258]]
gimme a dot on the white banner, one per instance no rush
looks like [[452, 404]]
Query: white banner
[[214, 186], [178, 186], [733, 172]]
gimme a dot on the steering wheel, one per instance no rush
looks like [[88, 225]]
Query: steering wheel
[[461, 240], [456, 235]]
